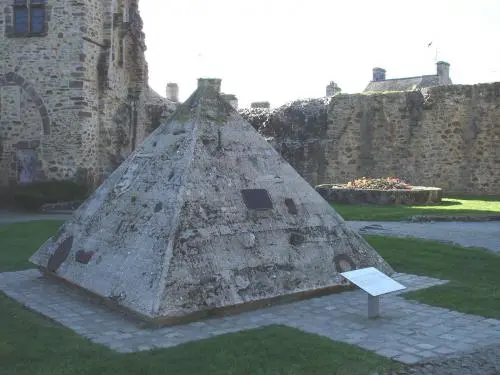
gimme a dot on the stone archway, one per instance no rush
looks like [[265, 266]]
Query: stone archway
[[24, 165], [14, 79]]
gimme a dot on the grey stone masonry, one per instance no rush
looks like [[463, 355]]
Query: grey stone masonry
[[407, 331], [74, 97]]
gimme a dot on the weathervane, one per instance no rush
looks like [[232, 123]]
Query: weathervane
[[436, 55]]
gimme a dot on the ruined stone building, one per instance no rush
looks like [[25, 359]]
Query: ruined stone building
[[380, 83], [74, 94], [332, 89]]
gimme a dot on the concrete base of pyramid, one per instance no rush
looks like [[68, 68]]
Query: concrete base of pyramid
[[162, 321]]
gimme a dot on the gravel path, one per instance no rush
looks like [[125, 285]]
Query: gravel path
[[480, 362], [467, 234]]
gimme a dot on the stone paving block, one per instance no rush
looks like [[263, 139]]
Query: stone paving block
[[461, 346], [409, 359], [492, 322], [440, 330], [469, 340], [411, 349], [444, 350], [449, 336], [480, 335], [362, 335], [390, 353], [425, 346], [426, 354]]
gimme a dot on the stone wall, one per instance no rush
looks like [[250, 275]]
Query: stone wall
[[40, 97], [445, 137], [74, 100]]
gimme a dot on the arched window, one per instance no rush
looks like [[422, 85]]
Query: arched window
[[29, 17]]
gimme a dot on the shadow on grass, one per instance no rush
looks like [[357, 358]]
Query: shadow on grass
[[474, 286], [450, 206], [446, 203]]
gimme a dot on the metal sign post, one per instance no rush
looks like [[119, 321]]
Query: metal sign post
[[375, 283], [373, 306]]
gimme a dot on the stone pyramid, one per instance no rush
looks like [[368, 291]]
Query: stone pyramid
[[204, 217]]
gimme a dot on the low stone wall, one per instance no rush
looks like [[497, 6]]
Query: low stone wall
[[61, 206], [419, 195]]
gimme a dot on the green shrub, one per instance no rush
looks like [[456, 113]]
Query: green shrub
[[27, 201], [33, 196]]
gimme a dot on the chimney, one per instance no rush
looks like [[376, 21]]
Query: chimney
[[443, 72], [263, 105], [213, 83], [378, 74], [332, 89], [173, 92], [231, 99]]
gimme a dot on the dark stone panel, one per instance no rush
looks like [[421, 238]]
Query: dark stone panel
[[292, 208], [257, 199], [84, 114], [22, 145], [296, 239], [84, 257], [76, 84], [60, 255]]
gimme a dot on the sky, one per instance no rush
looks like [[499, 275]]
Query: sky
[[283, 50]]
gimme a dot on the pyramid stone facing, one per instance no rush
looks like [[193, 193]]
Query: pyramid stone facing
[[204, 215]]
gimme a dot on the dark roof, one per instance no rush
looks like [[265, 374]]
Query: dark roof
[[229, 96], [403, 84]]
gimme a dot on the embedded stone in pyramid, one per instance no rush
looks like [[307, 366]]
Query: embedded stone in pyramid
[[204, 216]]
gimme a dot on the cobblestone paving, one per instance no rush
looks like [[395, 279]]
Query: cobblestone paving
[[485, 361], [407, 331]]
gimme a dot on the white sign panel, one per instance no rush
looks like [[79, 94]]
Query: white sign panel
[[372, 281]]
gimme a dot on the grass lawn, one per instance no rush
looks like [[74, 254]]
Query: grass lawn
[[33, 345], [474, 273], [450, 206]]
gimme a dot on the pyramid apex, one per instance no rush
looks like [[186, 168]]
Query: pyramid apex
[[214, 83]]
